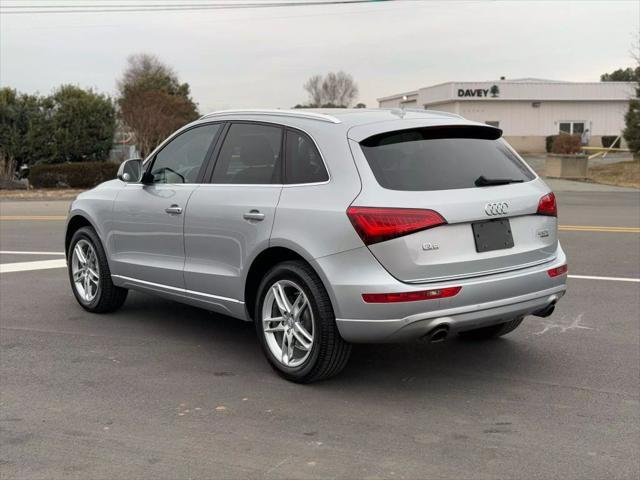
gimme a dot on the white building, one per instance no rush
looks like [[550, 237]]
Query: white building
[[528, 110]]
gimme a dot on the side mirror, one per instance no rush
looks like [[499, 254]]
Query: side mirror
[[130, 171]]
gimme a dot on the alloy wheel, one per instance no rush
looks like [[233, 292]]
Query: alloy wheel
[[85, 270], [288, 323]]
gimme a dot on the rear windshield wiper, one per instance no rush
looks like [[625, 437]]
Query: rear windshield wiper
[[483, 181]]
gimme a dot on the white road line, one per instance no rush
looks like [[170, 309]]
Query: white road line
[[610, 279], [15, 252], [27, 266]]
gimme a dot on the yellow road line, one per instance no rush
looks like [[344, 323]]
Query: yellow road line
[[27, 218]]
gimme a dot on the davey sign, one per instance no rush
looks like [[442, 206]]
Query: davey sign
[[493, 92]]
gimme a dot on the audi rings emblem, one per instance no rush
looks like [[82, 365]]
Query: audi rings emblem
[[496, 208]]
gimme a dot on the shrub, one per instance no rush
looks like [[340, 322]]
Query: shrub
[[72, 175], [566, 144], [607, 141], [548, 142]]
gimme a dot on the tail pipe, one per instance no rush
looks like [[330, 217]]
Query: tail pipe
[[546, 311], [438, 334]]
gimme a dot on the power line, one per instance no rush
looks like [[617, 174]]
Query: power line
[[123, 8]]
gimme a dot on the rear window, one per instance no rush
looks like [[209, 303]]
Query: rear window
[[441, 158]]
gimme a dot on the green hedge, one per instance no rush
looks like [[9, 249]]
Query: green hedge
[[72, 175], [548, 142]]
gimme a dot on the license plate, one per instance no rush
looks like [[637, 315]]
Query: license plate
[[492, 235]]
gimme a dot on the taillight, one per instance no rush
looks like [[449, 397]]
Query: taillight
[[547, 205], [379, 224], [410, 296], [561, 270]]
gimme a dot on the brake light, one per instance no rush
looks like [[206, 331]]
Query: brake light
[[379, 224], [411, 296], [556, 272], [547, 205]]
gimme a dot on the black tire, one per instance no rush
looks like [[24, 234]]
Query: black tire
[[329, 353], [108, 297], [493, 331]]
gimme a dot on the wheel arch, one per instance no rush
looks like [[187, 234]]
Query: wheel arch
[[76, 221], [263, 262]]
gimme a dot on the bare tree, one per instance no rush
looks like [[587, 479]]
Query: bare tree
[[313, 86], [153, 103], [336, 89]]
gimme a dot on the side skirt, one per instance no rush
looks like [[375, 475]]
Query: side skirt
[[224, 305]]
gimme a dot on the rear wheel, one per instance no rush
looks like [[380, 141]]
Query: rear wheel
[[493, 331], [296, 324], [89, 274]]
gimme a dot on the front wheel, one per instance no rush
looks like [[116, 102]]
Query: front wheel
[[89, 274], [296, 324]]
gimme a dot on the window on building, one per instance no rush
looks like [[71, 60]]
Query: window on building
[[493, 123], [578, 128], [571, 128]]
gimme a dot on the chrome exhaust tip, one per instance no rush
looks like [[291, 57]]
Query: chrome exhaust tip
[[438, 334], [546, 311]]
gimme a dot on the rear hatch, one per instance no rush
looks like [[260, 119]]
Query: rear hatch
[[443, 203]]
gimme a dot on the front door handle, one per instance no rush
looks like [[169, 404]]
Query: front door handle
[[253, 215], [174, 209]]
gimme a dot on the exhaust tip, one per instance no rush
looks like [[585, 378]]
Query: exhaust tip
[[546, 311], [438, 334]]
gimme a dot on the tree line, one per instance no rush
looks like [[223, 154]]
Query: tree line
[[73, 124]]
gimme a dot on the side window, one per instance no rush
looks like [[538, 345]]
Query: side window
[[250, 154], [181, 159], [303, 161]]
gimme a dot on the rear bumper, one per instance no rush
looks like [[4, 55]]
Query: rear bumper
[[482, 301], [455, 319]]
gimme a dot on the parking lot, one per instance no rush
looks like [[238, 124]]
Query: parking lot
[[163, 390]]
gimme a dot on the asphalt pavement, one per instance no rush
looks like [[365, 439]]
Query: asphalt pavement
[[163, 390]]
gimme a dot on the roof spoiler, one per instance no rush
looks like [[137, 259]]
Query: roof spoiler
[[482, 132]]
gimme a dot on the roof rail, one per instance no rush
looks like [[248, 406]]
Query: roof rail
[[281, 113]]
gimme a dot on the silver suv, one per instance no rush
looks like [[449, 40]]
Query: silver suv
[[326, 228]]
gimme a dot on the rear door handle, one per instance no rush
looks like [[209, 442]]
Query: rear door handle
[[174, 209], [253, 215]]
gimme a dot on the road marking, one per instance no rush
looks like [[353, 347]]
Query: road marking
[[27, 218], [15, 252], [586, 228], [609, 279], [28, 266]]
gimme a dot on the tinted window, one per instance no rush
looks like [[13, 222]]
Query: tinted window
[[441, 158], [303, 161], [250, 155], [181, 159]]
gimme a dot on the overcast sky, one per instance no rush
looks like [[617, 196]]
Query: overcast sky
[[261, 57]]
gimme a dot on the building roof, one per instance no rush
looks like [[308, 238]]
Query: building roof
[[525, 89]]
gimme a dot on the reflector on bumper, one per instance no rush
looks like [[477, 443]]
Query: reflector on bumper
[[410, 296]]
